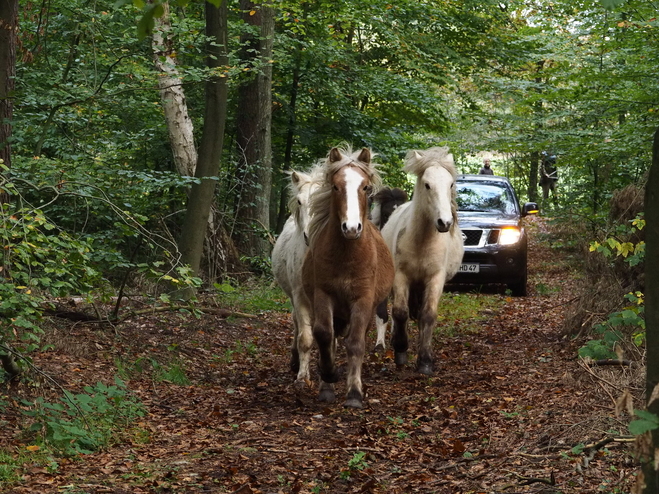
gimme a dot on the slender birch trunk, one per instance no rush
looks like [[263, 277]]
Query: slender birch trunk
[[179, 124]]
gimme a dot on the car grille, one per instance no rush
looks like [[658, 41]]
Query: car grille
[[477, 237], [472, 237]]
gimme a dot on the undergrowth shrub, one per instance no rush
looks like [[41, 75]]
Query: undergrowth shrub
[[83, 422], [624, 329], [39, 261], [42, 260], [613, 268]]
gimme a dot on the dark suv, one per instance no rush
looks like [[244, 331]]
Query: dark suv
[[495, 240]]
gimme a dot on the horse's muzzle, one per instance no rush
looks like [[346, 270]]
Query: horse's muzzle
[[352, 233], [443, 226]]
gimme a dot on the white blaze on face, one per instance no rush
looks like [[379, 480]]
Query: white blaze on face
[[352, 223], [439, 195]]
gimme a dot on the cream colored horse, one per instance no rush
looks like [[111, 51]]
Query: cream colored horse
[[287, 258], [427, 248]]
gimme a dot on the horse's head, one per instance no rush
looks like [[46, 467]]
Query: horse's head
[[434, 192], [351, 188], [303, 185]]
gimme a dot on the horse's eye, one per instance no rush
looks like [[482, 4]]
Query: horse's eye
[[299, 202], [368, 188], [428, 186], [335, 187]]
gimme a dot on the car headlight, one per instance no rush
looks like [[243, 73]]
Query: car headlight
[[509, 236]]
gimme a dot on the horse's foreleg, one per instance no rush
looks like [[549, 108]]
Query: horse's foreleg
[[323, 333], [381, 319], [427, 321], [304, 340], [295, 355], [355, 344], [400, 314]]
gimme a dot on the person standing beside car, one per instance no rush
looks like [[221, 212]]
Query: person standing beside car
[[486, 170]]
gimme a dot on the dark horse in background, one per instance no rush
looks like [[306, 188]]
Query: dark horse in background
[[385, 202]]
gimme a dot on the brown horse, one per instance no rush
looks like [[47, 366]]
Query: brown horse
[[348, 269]]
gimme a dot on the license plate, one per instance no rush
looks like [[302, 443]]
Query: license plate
[[469, 268]]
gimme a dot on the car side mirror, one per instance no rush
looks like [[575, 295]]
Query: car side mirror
[[530, 208]]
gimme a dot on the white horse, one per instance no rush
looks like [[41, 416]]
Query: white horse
[[427, 247], [287, 258]]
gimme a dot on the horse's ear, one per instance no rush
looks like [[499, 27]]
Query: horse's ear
[[417, 155], [295, 178], [335, 155], [365, 156]]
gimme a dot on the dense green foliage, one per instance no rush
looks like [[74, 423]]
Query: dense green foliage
[[578, 87]]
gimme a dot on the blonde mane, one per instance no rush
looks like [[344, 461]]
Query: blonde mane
[[313, 176], [320, 202], [417, 162]]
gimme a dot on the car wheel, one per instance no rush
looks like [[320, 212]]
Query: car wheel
[[518, 288]]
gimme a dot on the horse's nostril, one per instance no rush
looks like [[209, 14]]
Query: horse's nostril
[[344, 226], [443, 226], [359, 227]]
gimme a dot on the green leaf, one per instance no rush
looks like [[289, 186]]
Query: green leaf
[[611, 4], [648, 422], [649, 416]]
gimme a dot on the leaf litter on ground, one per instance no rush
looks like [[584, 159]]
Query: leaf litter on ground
[[508, 410]]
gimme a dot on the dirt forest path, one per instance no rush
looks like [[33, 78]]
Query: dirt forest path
[[509, 410]]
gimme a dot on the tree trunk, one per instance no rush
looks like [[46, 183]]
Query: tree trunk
[[8, 27], [538, 115], [254, 133], [200, 200], [290, 137], [650, 457], [533, 176], [179, 124]]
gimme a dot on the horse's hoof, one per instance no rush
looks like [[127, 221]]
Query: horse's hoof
[[353, 403], [326, 396], [302, 384], [379, 348], [425, 369], [400, 358]]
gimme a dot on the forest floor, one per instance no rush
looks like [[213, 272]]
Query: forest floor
[[511, 409]]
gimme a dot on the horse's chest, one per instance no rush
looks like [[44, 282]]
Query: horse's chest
[[419, 256]]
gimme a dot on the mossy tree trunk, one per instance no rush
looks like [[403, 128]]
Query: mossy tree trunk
[[200, 200], [253, 136], [650, 457], [8, 27]]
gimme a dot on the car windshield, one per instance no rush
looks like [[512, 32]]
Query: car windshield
[[485, 197]]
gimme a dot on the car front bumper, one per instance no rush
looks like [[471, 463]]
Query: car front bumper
[[496, 264]]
